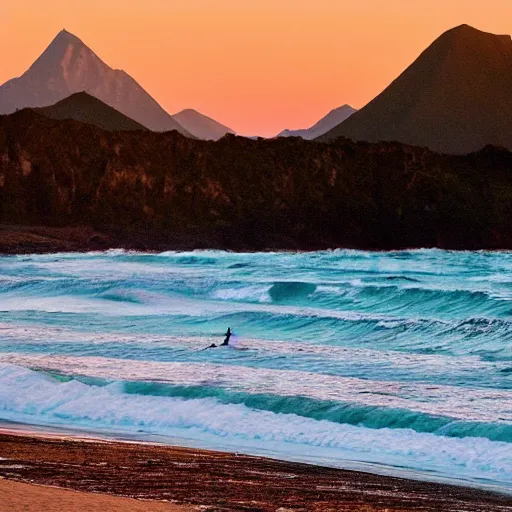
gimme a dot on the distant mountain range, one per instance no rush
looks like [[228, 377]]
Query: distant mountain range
[[201, 126], [88, 109], [332, 119], [455, 98], [68, 66]]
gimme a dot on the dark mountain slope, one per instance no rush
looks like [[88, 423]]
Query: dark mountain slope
[[165, 190], [88, 109], [455, 98]]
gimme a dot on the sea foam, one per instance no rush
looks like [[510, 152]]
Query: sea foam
[[43, 400]]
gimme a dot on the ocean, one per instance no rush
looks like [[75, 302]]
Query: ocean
[[396, 362]]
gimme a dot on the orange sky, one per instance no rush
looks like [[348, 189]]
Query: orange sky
[[258, 66]]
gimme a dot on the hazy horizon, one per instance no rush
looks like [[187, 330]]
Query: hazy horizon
[[261, 67]]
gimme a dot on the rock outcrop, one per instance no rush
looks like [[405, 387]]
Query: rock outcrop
[[162, 190]]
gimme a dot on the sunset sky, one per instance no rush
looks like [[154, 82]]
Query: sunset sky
[[258, 66]]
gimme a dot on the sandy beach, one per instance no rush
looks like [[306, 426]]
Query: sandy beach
[[98, 473], [35, 498]]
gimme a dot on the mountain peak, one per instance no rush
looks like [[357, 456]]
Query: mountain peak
[[456, 97], [69, 66], [64, 38], [188, 111], [464, 28], [334, 117], [56, 52], [80, 96], [343, 107], [86, 108], [201, 126], [468, 33], [65, 33]]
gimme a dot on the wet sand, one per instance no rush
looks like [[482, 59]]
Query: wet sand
[[214, 481]]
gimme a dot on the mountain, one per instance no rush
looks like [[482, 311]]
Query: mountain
[[161, 191], [332, 119], [68, 66], [455, 98], [88, 109], [201, 126]]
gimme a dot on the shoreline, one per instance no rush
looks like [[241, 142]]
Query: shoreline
[[84, 434], [17, 240], [219, 480], [26, 240]]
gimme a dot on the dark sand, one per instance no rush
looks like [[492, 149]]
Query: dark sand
[[219, 481]]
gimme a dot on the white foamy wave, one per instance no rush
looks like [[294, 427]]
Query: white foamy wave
[[448, 401], [329, 289], [180, 306], [253, 293], [40, 399]]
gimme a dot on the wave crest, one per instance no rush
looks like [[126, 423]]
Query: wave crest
[[42, 400]]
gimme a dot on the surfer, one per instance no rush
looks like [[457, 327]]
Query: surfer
[[228, 335], [225, 343]]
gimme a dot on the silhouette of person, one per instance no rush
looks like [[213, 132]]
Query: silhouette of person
[[228, 335], [224, 343]]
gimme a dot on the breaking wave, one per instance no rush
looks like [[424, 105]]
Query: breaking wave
[[43, 400], [401, 358]]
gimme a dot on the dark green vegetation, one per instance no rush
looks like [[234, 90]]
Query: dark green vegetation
[[162, 190], [88, 109]]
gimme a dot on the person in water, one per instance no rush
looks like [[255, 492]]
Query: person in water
[[225, 342], [228, 335]]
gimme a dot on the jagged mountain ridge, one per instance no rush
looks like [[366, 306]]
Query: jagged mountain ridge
[[87, 109], [328, 122], [68, 66], [166, 190], [455, 98], [201, 126]]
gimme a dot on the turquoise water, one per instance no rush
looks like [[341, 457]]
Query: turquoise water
[[396, 360]]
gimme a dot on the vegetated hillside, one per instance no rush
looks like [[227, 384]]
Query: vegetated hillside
[[455, 98], [68, 66], [165, 190], [87, 109], [201, 126], [328, 122]]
